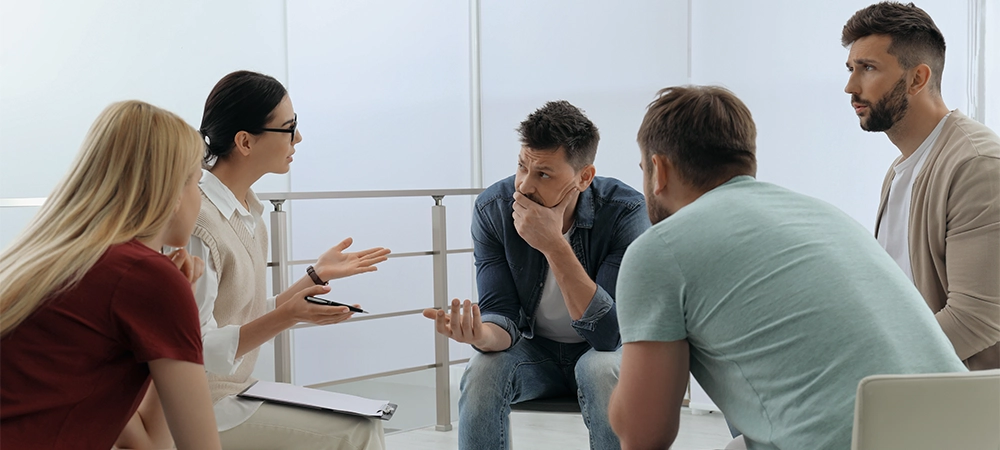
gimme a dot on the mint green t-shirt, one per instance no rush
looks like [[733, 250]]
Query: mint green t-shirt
[[786, 303]]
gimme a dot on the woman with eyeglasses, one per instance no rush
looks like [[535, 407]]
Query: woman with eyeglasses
[[91, 310], [249, 126]]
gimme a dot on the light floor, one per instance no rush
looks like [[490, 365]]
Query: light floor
[[411, 428], [538, 431]]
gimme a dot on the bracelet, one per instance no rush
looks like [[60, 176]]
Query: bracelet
[[315, 277]]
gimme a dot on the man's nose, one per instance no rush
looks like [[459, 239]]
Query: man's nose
[[852, 85]]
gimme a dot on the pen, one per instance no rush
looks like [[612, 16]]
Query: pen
[[323, 301]]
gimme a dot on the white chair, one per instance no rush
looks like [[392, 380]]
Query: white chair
[[928, 411]]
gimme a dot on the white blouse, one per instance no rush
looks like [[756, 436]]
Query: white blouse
[[220, 344]]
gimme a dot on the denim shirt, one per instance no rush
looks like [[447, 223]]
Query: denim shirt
[[510, 273]]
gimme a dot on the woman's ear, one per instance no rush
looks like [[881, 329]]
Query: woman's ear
[[177, 203], [242, 142]]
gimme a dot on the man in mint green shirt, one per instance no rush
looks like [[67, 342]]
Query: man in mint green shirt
[[777, 303]]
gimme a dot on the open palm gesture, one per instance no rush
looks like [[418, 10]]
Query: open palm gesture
[[334, 263]]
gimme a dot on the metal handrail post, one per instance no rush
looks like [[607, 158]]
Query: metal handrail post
[[442, 385], [279, 282]]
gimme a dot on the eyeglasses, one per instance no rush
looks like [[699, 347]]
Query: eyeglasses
[[295, 123]]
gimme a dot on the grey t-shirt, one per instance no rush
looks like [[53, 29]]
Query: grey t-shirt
[[786, 303]]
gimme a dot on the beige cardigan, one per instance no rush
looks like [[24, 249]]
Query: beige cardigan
[[954, 236]]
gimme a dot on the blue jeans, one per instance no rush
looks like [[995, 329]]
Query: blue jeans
[[531, 369]]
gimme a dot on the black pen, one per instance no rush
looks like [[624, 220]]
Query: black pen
[[323, 301]]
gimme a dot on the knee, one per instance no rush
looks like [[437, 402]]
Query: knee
[[485, 373], [598, 369]]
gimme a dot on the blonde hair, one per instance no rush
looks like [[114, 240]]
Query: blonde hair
[[124, 184]]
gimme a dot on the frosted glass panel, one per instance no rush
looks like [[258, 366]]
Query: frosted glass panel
[[607, 58]]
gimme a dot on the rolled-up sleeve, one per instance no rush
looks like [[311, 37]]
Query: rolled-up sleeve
[[498, 298], [599, 323], [219, 344]]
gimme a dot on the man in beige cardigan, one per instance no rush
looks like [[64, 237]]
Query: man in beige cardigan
[[939, 214]]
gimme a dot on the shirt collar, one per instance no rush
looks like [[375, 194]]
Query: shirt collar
[[223, 198], [585, 209]]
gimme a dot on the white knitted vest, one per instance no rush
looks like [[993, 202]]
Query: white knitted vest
[[240, 259]]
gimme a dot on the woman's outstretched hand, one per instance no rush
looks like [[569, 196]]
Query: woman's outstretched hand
[[334, 263]]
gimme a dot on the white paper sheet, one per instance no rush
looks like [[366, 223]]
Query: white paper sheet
[[315, 398]]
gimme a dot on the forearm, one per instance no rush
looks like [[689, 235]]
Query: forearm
[[652, 373], [495, 339], [574, 282], [263, 329]]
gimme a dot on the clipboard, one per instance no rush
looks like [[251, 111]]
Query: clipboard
[[288, 394]]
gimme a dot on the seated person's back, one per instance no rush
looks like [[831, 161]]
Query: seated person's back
[[778, 303], [787, 303]]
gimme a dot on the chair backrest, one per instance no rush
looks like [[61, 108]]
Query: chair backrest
[[928, 411]]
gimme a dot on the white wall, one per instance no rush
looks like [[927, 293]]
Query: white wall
[[608, 58], [391, 83], [62, 62], [783, 58], [384, 95], [992, 94]]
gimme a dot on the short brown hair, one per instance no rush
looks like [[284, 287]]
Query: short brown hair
[[705, 131], [915, 38], [560, 124]]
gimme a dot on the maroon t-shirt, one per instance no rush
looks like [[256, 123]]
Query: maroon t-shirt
[[74, 372]]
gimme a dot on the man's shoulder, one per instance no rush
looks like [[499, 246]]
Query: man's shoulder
[[612, 190], [965, 138], [503, 189]]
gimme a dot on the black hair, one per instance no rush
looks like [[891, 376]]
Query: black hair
[[240, 101], [560, 124]]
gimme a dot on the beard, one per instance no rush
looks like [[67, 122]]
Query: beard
[[890, 109], [656, 211]]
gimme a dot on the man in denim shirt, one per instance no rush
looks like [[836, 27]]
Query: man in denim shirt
[[548, 244]]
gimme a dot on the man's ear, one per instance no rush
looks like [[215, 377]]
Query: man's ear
[[242, 142], [585, 177], [660, 169], [919, 79]]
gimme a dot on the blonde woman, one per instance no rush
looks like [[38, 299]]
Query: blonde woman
[[90, 309], [250, 126]]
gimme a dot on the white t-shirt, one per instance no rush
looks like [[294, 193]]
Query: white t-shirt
[[894, 227], [552, 320]]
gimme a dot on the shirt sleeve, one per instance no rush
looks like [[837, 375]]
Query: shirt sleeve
[[971, 316], [498, 299], [599, 323], [651, 290], [220, 344], [155, 312]]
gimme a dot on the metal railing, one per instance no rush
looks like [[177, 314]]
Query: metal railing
[[280, 281], [439, 253]]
